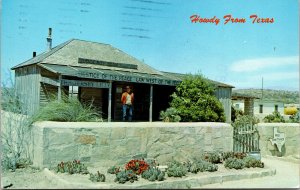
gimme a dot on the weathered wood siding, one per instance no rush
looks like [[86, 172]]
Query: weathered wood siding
[[27, 83], [47, 92], [92, 95], [224, 95]]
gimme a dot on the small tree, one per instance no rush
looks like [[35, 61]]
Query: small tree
[[15, 131], [275, 117], [195, 100]]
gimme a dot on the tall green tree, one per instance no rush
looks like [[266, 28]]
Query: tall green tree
[[195, 100]]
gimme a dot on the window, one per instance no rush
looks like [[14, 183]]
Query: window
[[260, 108], [237, 106], [73, 91], [276, 107]]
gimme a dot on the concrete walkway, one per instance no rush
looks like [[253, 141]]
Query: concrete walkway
[[287, 176]]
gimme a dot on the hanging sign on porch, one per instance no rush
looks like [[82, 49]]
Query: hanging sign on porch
[[91, 84], [127, 78]]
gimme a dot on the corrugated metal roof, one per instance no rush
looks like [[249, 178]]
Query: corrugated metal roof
[[181, 77]]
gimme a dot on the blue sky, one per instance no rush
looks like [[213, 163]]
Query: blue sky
[[160, 33]]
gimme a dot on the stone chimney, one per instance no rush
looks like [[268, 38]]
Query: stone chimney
[[49, 39]]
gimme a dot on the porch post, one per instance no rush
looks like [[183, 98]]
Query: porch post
[[59, 87], [151, 103], [109, 101]]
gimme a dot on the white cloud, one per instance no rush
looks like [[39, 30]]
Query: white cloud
[[278, 76], [275, 80], [262, 63]]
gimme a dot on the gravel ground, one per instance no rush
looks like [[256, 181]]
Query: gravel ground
[[287, 175]]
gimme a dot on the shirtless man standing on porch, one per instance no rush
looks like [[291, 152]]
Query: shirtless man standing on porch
[[127, 101]]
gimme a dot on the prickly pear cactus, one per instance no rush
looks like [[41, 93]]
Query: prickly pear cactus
[[98, 177], [113, 170], [60, 167], [126, 175], [72, 167]]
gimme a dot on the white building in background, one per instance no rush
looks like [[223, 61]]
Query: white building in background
[[262, 108]]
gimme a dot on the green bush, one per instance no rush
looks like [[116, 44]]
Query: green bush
[[234, 163], [201, 166], [176, 169], [126, 175], [275, 117], [242, 120], [213, 157], [235, 113], [295, 118], [238, 155], [170, 115], [252, 162], [153, 174], [195, 100], [113, 170], [97, 177], [74, 167], [66, 110]]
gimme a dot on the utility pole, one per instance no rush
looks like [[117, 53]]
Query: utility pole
[[262, 88]]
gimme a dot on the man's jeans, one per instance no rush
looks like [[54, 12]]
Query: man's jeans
[[128, 108]]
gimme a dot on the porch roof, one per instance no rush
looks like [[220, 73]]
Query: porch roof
[[114, 75]]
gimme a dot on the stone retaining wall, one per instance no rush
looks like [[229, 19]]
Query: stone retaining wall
[[291, 148], [118, 142]]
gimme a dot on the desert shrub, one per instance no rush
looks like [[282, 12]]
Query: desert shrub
[[235, 113], [170, 115], [234, 163], [137, 166], [201, 166], [294, 118], [245, 120], [195, 100], [10, 102], [226, 155], [97, 177], [213, 157], [275, 117], [126, 175], [113, 170], [153, 174], [176, 169], [72, 167], [238, 155], [66, 110], [252, 162], [15, 130]]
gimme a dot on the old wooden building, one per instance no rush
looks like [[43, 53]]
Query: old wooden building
[[99, 72]]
